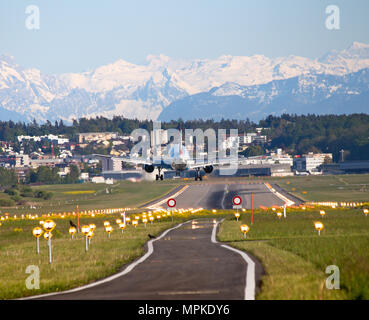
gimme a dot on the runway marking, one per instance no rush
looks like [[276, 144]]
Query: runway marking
[[157, 204], [224, 194], [287, 201], [250, 273], [128, 269], [174, 293]]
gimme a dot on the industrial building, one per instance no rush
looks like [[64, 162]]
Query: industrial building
[[346, 167]]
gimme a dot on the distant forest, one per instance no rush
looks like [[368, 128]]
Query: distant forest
[[296, 134]]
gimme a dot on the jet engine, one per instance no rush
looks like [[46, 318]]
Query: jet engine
[[149, 168], [208, 169]]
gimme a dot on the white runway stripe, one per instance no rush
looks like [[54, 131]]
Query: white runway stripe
[[250, 272]]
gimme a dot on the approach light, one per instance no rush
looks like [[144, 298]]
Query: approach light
[[366, 212], [37, 232], [85, 229], [49, 225], [244, 229], [237, 215], [109, 229], [48, 235], [135, 223], [318, 226], [322, 213], [72, 231]]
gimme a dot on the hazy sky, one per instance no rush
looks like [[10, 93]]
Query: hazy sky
[[81, 35]]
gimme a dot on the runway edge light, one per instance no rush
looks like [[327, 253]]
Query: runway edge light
[[244, 229]]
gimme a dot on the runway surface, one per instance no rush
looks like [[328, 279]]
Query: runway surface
[[185, 264], [219, 196]]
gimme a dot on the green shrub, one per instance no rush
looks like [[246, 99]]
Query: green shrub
[[11, 191], [26, 192], [43, 194], [6, 203], [16, 198]]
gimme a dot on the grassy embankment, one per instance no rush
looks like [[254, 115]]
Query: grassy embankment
[[295, 257], [327, 188], [71, 265], [90, 196]]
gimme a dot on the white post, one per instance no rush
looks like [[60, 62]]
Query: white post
[[50, 258]]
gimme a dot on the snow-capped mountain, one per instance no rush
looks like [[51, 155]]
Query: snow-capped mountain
[[307, 93], [163, 84]]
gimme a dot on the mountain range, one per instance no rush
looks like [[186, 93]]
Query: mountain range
[[165, 88]]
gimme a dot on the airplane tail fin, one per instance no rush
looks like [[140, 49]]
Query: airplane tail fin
[[181, 144]]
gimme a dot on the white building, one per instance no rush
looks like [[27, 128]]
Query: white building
[[22, 160], [84, 176], [53, 138], [250, 138], [98, 180], [310, 162]]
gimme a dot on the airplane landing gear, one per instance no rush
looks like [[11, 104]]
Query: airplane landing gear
[[160, 175], [198, 175]]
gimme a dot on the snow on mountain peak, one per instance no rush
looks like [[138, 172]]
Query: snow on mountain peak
[[7, 58], [124, 88], [160, 59], [359, 45]]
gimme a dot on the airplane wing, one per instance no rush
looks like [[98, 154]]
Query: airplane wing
[[215, 163], [138, 161], [146, 162]]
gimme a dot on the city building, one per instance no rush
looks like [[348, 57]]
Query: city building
[[52, 138], [96, 136], [310, 162]]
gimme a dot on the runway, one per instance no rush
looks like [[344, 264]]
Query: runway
[[186, 263], [219, 196]]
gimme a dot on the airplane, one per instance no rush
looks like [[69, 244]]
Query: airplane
[[177, 159]]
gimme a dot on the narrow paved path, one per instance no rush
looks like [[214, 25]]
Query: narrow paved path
[[185, 264]]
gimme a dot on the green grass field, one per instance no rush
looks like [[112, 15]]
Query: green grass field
[[327, 188], [295, 257], [292, 253], [123, 194], [71, 265]]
